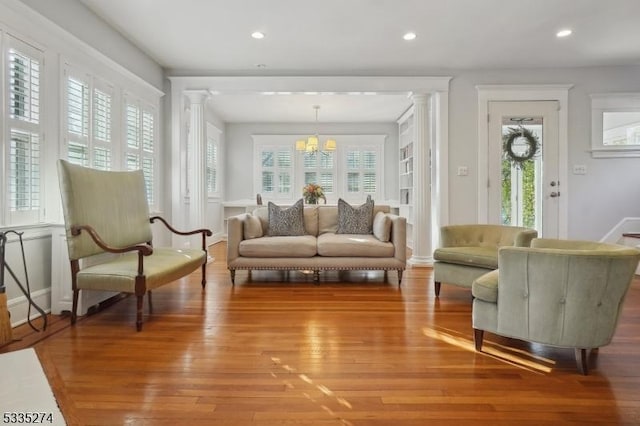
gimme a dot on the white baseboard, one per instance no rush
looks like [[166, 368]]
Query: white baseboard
[[19, 306]]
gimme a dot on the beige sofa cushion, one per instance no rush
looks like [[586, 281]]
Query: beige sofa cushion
[[296, 246], [485, 287], [252, 227], [353, 245], [485, 257], [382, 227]]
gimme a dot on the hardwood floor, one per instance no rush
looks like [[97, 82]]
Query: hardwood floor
[[353, 350]]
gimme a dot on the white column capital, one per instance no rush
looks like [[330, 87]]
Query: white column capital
[[420, 98], [197, 97]]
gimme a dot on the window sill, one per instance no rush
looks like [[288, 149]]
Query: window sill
[[616, 152]]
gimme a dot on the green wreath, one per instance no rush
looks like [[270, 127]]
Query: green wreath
[[533, 145]]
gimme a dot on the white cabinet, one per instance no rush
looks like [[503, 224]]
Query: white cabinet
[[61, 292]]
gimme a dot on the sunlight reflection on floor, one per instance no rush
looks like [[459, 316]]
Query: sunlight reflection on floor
[[513, 356]]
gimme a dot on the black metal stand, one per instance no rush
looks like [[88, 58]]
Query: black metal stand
[[25, 290]]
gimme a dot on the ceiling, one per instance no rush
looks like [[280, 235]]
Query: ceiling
[[364, 37]]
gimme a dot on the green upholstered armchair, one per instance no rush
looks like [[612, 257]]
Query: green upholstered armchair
[[467, 252], [107, 212], [558, 292]]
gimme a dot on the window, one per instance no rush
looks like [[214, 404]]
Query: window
[[277, 171], [361, 172], [23, 71], [615, 125], [212, 166], [319, 168], [353, 171], [88, 120], [139, 150]]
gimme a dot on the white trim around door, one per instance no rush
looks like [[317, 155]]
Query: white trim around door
[[535, 92]]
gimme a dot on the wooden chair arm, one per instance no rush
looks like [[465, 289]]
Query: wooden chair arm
[[143, 249], [206, 232]]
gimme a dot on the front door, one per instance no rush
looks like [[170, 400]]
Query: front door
[[523, 165]]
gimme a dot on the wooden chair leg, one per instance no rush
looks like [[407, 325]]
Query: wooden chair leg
[[74, 307], [478, 335], [204, 275], [582, 361], [139, 304], [436, 285]]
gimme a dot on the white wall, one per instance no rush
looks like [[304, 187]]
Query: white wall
[[598, 200], [76, 18], [239, 145]]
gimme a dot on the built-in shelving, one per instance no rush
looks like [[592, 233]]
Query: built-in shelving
[[406, 164]]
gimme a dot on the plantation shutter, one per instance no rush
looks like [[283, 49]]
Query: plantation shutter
[[140, 145], [78, 121], [24, 67]]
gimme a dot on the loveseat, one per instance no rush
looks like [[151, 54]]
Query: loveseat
[[252, 245], [470, 251]]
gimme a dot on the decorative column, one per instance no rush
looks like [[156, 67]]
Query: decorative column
[[196, 163], [422, 254]]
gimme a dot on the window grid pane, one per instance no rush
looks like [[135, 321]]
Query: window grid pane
[[212, 166], [133, 161], [326, 181], [369, 182], [267, 159], [77, 107], [353, 182], [369, 160], [310, 160], [310, 177], [147, 170], [133, 126], [101, 116], [267, 182], [147, 131], [284, 183], [78, 153], [102, 158], [24, 87], [353, 160], [24, 171], [284, 159]]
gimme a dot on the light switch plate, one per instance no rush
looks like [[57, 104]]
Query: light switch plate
[[463, 170], [579, 169]]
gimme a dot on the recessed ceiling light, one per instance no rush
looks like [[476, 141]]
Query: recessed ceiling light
[[261, 65], [311, 93], [409, 36], [563, 33], [257, 35]]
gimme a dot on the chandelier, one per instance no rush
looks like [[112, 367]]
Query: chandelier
[[312, 143]]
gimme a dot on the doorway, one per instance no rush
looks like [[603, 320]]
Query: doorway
[[523, 168]]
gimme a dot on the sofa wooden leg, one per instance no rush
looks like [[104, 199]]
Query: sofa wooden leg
[[436, 285], [582, 361], [478, 335], [399, 276], [233, 276], [316, 277]]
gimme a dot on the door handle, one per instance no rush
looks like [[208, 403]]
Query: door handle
[[554, 194]]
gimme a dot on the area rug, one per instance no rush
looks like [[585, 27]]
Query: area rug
[[25, 394]]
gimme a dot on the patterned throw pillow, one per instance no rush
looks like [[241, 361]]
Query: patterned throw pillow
[[355, 220], [286, 222]]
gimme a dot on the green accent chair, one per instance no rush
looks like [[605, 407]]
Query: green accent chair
[[467, 252], [557, 292], [107, 212]]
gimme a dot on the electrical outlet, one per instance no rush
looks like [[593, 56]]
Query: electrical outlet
[[463, 170], [579, 169]]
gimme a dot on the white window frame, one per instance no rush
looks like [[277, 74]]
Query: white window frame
[[35, 213], [144, 107], [331, 196], [608, 103]]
